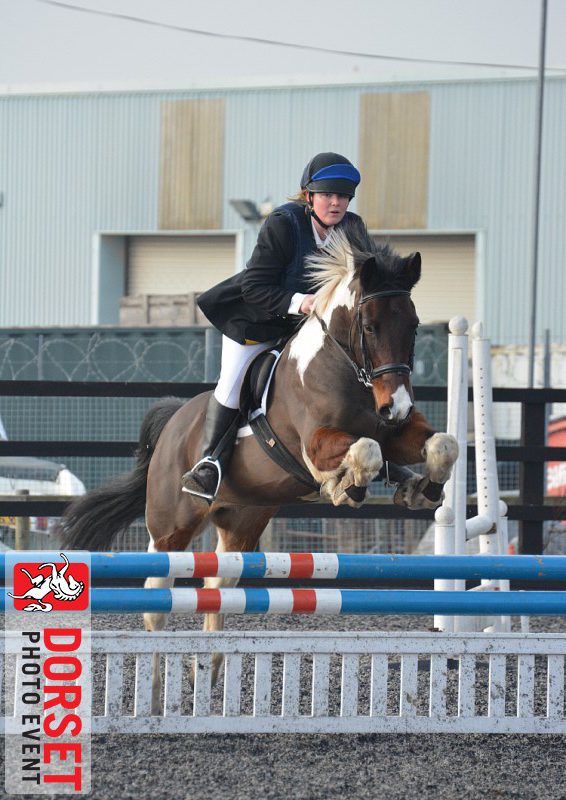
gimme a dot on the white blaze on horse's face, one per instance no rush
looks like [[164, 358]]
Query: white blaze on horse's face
[[310, 338], [402, 404]]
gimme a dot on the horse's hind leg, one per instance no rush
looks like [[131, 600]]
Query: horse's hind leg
[[157, 622], [239, 529]]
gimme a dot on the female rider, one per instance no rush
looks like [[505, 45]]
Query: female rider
[[264, 302]]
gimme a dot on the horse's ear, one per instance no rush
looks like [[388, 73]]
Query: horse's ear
[[367, 273], [413, 269]]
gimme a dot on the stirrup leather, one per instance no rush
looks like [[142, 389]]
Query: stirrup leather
[[194, 492]]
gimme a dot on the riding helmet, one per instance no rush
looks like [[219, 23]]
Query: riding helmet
[[330, 172]]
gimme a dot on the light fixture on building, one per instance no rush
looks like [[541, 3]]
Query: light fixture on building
[[247, 209], [250, 211]]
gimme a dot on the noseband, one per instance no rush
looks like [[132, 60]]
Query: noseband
[[368, 373]]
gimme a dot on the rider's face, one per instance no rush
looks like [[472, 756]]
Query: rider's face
[[330, 207]]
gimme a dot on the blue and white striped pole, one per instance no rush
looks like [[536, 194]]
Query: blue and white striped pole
[[319, 566]]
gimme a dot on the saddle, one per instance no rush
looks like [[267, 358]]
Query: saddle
[[256, 380], [253, 407]]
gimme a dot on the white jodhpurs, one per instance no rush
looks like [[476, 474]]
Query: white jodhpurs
[[236, 358]]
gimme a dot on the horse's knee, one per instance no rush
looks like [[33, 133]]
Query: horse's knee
[[440, 452], [365, 460], [331, 454]]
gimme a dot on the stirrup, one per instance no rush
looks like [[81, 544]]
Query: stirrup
[[194, 492]]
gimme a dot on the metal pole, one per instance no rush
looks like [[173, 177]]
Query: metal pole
[[538, 159], [547, 359], [22, 527]]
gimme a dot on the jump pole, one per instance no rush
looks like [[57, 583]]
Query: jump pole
[[314, 566], [324, 601]]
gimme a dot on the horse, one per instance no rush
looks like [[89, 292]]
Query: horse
[[340, 400]]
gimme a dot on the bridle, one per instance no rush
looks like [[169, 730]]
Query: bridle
[[368, 372]]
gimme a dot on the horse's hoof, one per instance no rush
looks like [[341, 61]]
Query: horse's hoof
[[357, 493], [412, 494], [433, 492]]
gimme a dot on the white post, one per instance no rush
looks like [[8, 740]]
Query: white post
[[504, 585], [455, 490], [486, 463], [443, 546]]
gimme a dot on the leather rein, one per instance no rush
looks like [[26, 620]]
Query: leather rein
[[368, 372]]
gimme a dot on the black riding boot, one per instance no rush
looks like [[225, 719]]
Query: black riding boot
[[220, 431]]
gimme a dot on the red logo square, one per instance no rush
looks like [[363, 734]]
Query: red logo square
[[51, 586]]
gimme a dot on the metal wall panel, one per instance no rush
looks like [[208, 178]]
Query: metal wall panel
[[271, 134], [72, 166], [481, 178]]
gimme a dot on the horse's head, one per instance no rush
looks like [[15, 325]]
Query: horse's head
[[363, 301], [385, 326], [363, 308]]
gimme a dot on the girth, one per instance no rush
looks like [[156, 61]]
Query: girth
[[255, 385], [272, 445]]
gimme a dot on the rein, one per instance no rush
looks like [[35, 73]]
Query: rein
[[368, 372]]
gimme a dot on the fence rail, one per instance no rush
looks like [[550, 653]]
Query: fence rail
[[283, 681]]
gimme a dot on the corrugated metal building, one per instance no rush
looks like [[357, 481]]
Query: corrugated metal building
[[106, 195]]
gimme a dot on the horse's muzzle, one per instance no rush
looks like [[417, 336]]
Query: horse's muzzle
[[391, 415]]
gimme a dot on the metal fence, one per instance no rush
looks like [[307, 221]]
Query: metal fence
[[188, 355]]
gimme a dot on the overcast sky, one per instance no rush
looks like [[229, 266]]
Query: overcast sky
[[43, 42]]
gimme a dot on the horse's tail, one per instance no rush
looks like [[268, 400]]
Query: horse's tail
[[94, 520]]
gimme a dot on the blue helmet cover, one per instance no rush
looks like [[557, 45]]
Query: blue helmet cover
[[337, 172]]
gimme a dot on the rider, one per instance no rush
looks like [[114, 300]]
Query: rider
[[264, 302]]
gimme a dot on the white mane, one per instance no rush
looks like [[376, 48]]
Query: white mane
[[329, 267]]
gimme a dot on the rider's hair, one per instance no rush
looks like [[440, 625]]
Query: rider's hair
[[300, 197]]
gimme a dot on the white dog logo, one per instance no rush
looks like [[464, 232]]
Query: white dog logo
[[41, 585]]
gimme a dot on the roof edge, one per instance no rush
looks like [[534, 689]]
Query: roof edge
[[283, 82]]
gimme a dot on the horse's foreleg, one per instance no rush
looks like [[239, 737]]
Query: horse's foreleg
[[343, 464], [416, 442]]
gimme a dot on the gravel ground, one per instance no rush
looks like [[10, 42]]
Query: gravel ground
[[388, 766]]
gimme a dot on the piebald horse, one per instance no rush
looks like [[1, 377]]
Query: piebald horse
[[340, 400]]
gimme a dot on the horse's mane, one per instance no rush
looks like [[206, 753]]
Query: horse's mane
[[345, 251]]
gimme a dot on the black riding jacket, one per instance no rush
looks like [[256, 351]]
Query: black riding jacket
[[253, 305]]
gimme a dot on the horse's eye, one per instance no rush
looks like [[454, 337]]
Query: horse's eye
[[369, 329]]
